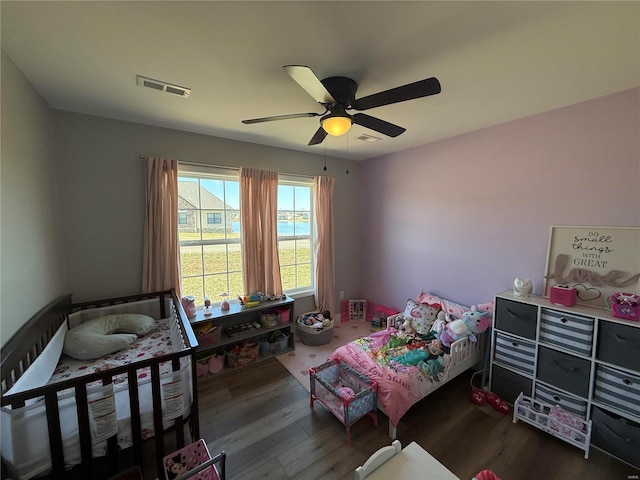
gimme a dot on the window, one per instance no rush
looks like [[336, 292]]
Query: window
[[214, 218], [209, 229], [295, 234]]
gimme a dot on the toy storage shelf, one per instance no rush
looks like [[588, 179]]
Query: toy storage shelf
[[219, 332], [581, 359]]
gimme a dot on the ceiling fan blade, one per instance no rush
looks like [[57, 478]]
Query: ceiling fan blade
[[378, 125], [281, 117], [318, 137], [422, 88], [308, 80]]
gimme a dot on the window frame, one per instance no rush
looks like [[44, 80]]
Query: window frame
[[303, 181]]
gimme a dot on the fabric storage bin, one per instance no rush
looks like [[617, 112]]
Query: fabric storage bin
[[347, 394], [515, 353], [574, 405], [617, 389], [517, 318], [242, 354], [284, 316], [619, 344], [210, 363], [571, 332], [616, 435], [564, 371], [508, 385]]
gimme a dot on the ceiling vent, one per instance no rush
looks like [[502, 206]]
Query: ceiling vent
[[163, 86], [368, 138]]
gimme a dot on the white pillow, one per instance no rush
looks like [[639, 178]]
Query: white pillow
[[104, 335]]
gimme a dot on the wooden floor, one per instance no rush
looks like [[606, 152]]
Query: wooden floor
[[260, 416]]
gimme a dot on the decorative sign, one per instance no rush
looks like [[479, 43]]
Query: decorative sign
[[596, 261]]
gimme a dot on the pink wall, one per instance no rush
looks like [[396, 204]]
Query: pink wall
[[464, 216]]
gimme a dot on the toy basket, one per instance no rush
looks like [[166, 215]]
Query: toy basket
[[347, 394], [242, 354], [187, 458], [310, 335]]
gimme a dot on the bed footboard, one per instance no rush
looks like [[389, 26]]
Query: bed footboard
[[54, 400], [465, 354]]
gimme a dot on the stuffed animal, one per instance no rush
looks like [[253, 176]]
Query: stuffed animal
[[472, 322], [419, 317]]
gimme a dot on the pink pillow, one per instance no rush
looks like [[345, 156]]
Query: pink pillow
[[452, 308]]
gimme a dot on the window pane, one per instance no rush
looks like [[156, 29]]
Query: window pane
[[193, 286], [208, 211], [214, 285], [303, 251], [234, 255], [288, 274], [190, 261], [303, 275], [215, 259]]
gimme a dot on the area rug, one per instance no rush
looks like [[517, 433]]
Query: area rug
[[304, 357]]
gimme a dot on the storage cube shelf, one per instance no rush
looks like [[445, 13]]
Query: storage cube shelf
[[246, 328], [578, 358]]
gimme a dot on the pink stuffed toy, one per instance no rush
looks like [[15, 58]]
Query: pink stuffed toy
[[472, 322]]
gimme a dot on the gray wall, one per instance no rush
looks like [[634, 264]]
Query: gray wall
[[103, 196], [32, 262]]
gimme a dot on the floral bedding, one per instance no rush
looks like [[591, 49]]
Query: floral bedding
[[156, 343], [406, 367]]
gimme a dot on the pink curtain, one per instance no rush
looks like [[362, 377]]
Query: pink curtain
[[161, 256], [259, 231], [324, 245]]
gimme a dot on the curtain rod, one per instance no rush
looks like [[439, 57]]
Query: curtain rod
[[144, 157], [235, 169]]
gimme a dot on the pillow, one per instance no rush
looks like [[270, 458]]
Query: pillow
[[452, 308], [104, 335]]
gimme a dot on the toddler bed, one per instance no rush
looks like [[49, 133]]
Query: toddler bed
[[58, 412], [409, 364]]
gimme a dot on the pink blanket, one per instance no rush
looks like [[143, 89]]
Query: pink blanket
[[406, 368]]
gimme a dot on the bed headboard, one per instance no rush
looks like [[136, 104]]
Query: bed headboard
[[29, 342]]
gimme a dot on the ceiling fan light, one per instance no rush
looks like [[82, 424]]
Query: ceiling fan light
[[336, 126]]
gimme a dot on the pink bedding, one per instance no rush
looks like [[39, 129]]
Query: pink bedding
[[406, 368]]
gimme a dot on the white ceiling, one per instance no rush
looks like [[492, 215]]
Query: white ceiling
[[496, 61]]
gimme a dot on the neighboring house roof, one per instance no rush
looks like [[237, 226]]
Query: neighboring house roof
[[188, 191]]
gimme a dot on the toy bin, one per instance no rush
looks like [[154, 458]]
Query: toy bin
[[209, 362], [242, 354], [207, 333], [188, 458], [347, 394], [312, 335]]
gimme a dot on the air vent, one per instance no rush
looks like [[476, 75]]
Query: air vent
[[163, 86], [368, 138]]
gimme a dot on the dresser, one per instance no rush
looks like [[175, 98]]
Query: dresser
[[580, 358]]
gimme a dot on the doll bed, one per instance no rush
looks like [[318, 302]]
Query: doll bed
[[52, 419], [402, 382]]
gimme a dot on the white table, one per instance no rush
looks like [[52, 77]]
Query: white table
[[413, 462]]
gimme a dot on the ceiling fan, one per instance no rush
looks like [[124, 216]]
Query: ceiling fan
[[337, 95]]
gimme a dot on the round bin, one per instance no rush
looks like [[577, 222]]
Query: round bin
[[312, 336]]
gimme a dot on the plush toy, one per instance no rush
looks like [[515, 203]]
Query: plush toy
[[472, 322], [419, 317]]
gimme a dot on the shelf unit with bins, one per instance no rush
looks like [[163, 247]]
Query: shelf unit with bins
[[219, 332], [580, 358]]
